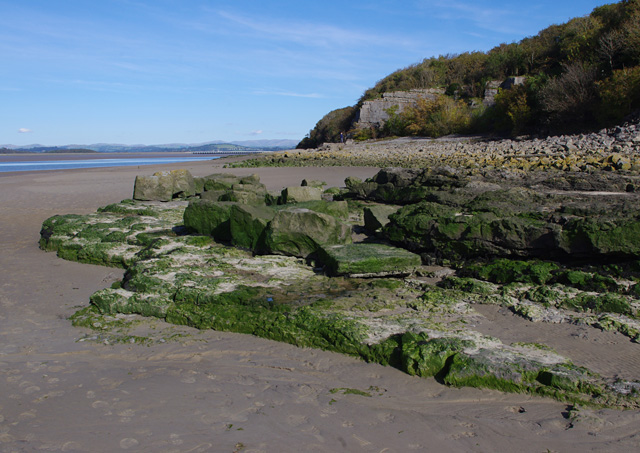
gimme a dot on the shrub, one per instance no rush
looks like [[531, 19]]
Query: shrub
[[396, 123], [436, 118], [619, 94], [512, 110], [570, 98]]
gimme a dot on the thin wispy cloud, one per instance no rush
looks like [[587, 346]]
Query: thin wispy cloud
[[501, 19], [24, 130], [287, 94], [314, 34]]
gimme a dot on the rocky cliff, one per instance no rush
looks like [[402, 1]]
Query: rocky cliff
[[374, 113]]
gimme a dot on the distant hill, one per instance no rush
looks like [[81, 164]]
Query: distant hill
[[579, 76], [249, 146]]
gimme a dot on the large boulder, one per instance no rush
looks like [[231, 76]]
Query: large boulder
[[211, 218], [301, 194], [184, 184], [220, 181], [301, 232], [377, 216], [521, 223], [248, 225], [451, 233], [254, 194], [213, 195], [368, 260], [164, 186]]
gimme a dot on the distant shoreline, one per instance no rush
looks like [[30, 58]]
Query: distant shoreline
[[28, 157]]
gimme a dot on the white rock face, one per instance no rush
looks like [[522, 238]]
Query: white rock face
[[373, 113]]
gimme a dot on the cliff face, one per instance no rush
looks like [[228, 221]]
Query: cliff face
[[373, 113]]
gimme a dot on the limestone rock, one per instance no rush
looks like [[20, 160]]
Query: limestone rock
[[301, 194], [164, 186], [300, 232], [313, 183], [339, 209], [254, 194], [220, 181], [377, 216]]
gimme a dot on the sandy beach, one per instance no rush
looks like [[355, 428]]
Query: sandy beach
[[223, 392]]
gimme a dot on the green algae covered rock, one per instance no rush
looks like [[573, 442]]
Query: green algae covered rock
[[604, 235], [504, 270], [248, 225], [301, 232], [368, 259], [211, 218], [426, 357], [339, 209], [411, 325], [121, 301], [455, 234]]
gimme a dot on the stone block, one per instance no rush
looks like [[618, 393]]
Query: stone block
[[301, 232], [368, 260], [301, 194]]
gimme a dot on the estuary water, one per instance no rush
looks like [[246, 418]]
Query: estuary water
[[20, 163]]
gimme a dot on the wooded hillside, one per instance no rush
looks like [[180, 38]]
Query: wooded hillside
[[580, 76]]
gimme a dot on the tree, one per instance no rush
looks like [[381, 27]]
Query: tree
[[570, 97], [610, 45], [328, 129]]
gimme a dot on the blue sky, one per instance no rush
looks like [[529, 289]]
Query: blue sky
[[191, 71]]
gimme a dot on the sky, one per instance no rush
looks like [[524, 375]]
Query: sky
[[194, 71]]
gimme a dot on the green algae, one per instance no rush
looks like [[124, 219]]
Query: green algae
[[509, 271]]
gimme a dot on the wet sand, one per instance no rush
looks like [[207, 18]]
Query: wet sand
[[215, 391]]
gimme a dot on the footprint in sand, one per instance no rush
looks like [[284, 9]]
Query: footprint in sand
[[100, 404], [6, 438], [31, 389], [27, 415], [175, 439], [296, 420], [13, 379], [386, 417], [128, 442]]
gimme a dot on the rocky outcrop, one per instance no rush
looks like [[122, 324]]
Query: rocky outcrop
[[492, 87], [454, 215], [297, 222], [373, 113], [425, 328]]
